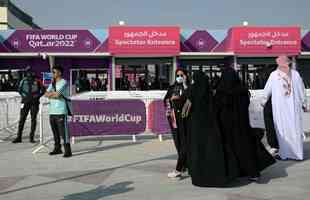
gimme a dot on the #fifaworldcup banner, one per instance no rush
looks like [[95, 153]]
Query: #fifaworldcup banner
[[144, 40], [108, 117], [265, 40]]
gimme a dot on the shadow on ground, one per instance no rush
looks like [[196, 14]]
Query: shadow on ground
[[101, 191]]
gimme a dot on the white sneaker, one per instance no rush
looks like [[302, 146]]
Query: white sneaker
[[254, 179], [185, 173], [273, 151], [174, 174]]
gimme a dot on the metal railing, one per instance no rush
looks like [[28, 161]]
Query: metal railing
[[9, 114]]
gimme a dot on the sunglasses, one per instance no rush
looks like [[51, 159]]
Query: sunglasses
[[180, 75]]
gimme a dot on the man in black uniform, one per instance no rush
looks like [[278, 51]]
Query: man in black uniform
[[30, 89]]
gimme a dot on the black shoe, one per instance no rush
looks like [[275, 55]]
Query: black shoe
[[278, 157], [55, 152], [32, 141], [254, 178], [68, 152], [17, 140]]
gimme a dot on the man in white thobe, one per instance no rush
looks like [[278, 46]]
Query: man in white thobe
[[287, 91]]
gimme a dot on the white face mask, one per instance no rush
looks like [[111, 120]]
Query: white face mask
[[179, 79]]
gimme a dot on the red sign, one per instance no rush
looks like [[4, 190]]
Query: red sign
[[125, 40], [266, 40]]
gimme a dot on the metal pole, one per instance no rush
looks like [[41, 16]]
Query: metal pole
[[174, 68], [7, 113], [235, 63], [113, 73], [41, 124], [294, 63], [51, 61], [71, 85]]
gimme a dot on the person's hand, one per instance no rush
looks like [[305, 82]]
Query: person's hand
[[52, 95], [186, 108], [168, 113]]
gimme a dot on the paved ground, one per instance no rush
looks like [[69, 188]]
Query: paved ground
[[120, 169]]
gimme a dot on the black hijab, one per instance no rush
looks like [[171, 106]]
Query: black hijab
[[229, 80], [200, 87]]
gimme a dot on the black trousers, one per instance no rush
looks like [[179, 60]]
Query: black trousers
[[59, 125], [180, 139], [270, 130], [33, 107]]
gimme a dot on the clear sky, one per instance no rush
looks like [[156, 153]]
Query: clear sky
[[194, 14]]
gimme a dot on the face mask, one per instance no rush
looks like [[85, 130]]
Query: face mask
[[179, 79]]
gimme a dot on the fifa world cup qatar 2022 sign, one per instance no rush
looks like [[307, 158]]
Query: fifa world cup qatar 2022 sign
[[144, 40], [51, 41]]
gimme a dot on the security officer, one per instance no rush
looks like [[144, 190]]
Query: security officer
[[31, 89]]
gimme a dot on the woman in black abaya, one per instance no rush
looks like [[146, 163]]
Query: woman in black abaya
[[174, 101], [232, 102], [209, 165]]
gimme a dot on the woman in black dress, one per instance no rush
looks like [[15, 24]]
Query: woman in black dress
[[174, 101], [208, 164], [232, 103]]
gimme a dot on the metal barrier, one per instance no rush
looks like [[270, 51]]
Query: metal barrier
[[10, 103], [9, 114], [10, 108], [146, 96]]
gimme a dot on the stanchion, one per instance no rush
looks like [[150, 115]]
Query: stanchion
[[160, 137]]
